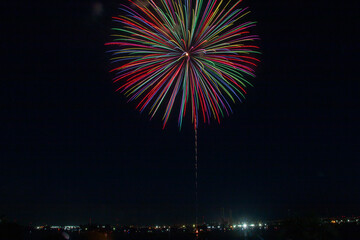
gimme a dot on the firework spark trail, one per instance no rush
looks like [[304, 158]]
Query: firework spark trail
[[181, 50]]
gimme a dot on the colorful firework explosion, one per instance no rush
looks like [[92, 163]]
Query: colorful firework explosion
[[195, 53]]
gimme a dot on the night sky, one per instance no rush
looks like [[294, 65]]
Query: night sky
[[72, 149]]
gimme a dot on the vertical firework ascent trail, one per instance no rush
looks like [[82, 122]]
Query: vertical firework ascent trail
[[196, 183]]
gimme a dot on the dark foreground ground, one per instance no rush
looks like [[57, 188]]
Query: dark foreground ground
[[325, 232]]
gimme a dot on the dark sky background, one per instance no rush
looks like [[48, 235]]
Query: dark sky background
[[71, 148]]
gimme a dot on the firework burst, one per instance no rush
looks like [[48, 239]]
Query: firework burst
[[199, 54]]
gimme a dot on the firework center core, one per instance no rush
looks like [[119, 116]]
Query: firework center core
[[186, 54]]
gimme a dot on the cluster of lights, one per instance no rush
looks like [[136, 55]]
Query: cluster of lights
[[71, 227], [239, 226], [161, 227], [246, 225], [55, 227], [343, 221], [157, 228], [66, 228]]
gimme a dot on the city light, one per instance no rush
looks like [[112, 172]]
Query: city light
[[246, 227]]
